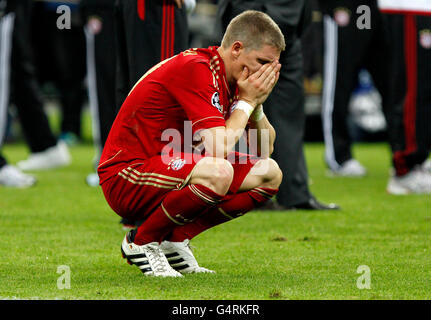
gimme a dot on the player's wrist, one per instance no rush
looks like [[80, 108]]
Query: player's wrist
[[257, 114], [251, 101], [245, 106]]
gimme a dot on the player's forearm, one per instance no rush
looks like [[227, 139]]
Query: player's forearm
[[220, 141], [235, 127], [264, 133], [262, 137]]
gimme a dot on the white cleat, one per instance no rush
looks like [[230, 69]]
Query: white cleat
[[350, 168], [11, 176], [53, 157], [149, 258], [417, 181], [181, 257]]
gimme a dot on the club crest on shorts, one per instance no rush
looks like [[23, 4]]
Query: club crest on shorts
[[176, 164], [425, 38], [342, 16], [215, 101]]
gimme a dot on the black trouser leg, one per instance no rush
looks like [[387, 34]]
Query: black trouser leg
[[157, 35], [3, 161], [26, 92], [7, 22], [285, 110], [122, 82], [346, 51], [410, 112], [69, 53], [101, 78]]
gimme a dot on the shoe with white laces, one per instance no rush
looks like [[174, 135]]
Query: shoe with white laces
[[53, 157], [149, 258], [350, 168], [181, 257], [11, 176], [417, 181]]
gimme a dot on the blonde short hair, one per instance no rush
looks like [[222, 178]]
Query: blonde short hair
[[254, 29]]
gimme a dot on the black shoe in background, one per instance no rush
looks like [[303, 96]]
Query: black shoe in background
[[314, 204], [271, 205]]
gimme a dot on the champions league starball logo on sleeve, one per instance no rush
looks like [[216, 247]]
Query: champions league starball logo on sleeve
[[215, 101]]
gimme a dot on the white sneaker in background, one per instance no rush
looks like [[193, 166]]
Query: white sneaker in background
[[190, 5], [92, 179], [149, 258], [53, 157], [11, 176], [417, 181], [350, 168], [181, 257], [427, 165]]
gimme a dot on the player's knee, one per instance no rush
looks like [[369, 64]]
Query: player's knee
[[221, 176], [274, 176], [214, 173]]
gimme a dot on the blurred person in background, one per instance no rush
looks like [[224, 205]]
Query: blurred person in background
[[10, 176], [347, 50], [285, 107], [19, 86], [146, 33], [98, 16], [312, 48], [409, 114], [61, 62]]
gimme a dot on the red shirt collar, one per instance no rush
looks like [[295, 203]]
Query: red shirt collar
[[215, 56]]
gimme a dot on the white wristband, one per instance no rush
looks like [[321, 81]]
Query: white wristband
[[257, 114], [244, 106]]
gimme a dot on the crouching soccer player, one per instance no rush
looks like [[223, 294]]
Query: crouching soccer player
[[216, 94]]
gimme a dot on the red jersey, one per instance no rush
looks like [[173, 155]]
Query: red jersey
[[186, 93]]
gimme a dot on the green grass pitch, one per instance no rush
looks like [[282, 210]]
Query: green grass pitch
[[277, 255]]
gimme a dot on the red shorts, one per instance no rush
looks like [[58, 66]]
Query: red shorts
[[136, 189]]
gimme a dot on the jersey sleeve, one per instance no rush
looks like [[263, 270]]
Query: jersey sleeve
[[194, 90]]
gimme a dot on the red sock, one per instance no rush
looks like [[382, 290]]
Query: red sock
[[177, 208], [232, 207]]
